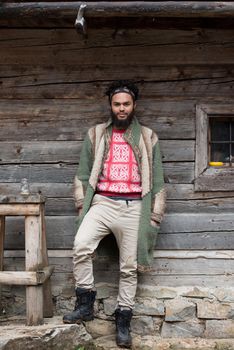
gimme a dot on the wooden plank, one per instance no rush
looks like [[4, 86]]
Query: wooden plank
[[64, 227], [198, 240], [187, 226], [158, 254], [66, 206], [197, 50], [217, 205], [47, 296], [201, 141], [215, 180], [197, 222], [194, 254], [173, 266], [69, 151], [64, 191], [33, 262], [2, 239], [175, 172], [172, 223], [38, 172], [55, 190], [171, 273], [97, 9], [186, 192], [19, 209], [178, 172], [176, 263], [18, 278], [195, 240], [35, 119], [36, 152], [68, 81], [213, 281], [16, 38]]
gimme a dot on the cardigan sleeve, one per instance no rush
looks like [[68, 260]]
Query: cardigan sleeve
[[83, 172], [158, 190]]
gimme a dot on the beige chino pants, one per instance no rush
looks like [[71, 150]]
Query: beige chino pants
[[105, 216]]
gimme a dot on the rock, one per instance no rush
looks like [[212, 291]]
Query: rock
[[105, 290], [142, 325], [99, 328], [157, 324], [156, 292], [198, 293], [50, 336], [179, 310], [219, 329], [149, 306], [157, 343], [109, 306], [187, 329], [213, 310], [225, 295]]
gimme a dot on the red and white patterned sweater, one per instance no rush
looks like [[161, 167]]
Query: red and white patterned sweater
[[120, 174]]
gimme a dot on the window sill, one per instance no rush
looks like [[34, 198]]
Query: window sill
[[215, 179]]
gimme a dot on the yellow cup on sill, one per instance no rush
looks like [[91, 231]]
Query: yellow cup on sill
[[215, 163]]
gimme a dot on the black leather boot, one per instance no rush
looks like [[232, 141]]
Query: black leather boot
[[83, 310], [122, 321]]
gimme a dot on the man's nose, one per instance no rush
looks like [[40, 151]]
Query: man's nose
[[122, 107]]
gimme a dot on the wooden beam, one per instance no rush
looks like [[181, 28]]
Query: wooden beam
[[28, 278], [2, 239], [19, 209], [159, 253], [68, 10]]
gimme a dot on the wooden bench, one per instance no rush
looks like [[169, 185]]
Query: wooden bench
[[36, 276]]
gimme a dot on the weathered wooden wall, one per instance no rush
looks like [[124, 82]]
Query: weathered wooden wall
[[52, 86]]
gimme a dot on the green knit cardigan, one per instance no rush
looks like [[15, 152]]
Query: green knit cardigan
[[145, 145]]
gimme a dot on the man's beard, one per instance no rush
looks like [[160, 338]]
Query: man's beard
[[122, 124]]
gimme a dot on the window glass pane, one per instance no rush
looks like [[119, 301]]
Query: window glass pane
[[233, 153], [232, 132], [220, 152], [220, 130]]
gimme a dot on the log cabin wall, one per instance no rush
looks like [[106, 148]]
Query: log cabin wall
[[52, 84]]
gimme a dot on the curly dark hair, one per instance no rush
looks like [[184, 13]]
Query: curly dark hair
[[120, 84]]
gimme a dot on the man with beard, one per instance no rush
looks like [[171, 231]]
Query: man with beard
[[119, 188]]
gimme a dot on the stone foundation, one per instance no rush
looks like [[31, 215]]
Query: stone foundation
[[182, 312], [177, 317]]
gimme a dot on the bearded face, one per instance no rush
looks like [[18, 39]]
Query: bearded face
[[122, 109]]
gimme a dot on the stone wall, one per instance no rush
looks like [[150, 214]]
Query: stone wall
[[182, 312]]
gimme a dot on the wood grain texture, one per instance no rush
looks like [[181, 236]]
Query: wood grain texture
[[52, 90], [33, 262], [59, 47], [185, 226], [69, 151], [36, 119], [193, 82]]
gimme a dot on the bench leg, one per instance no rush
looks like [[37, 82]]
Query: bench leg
[[33, 262], [47, 294], [34, 305], [2, 236]]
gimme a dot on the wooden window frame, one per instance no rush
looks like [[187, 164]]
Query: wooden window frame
[[209, 178]]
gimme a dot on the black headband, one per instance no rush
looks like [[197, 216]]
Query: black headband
[[123, 89]]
